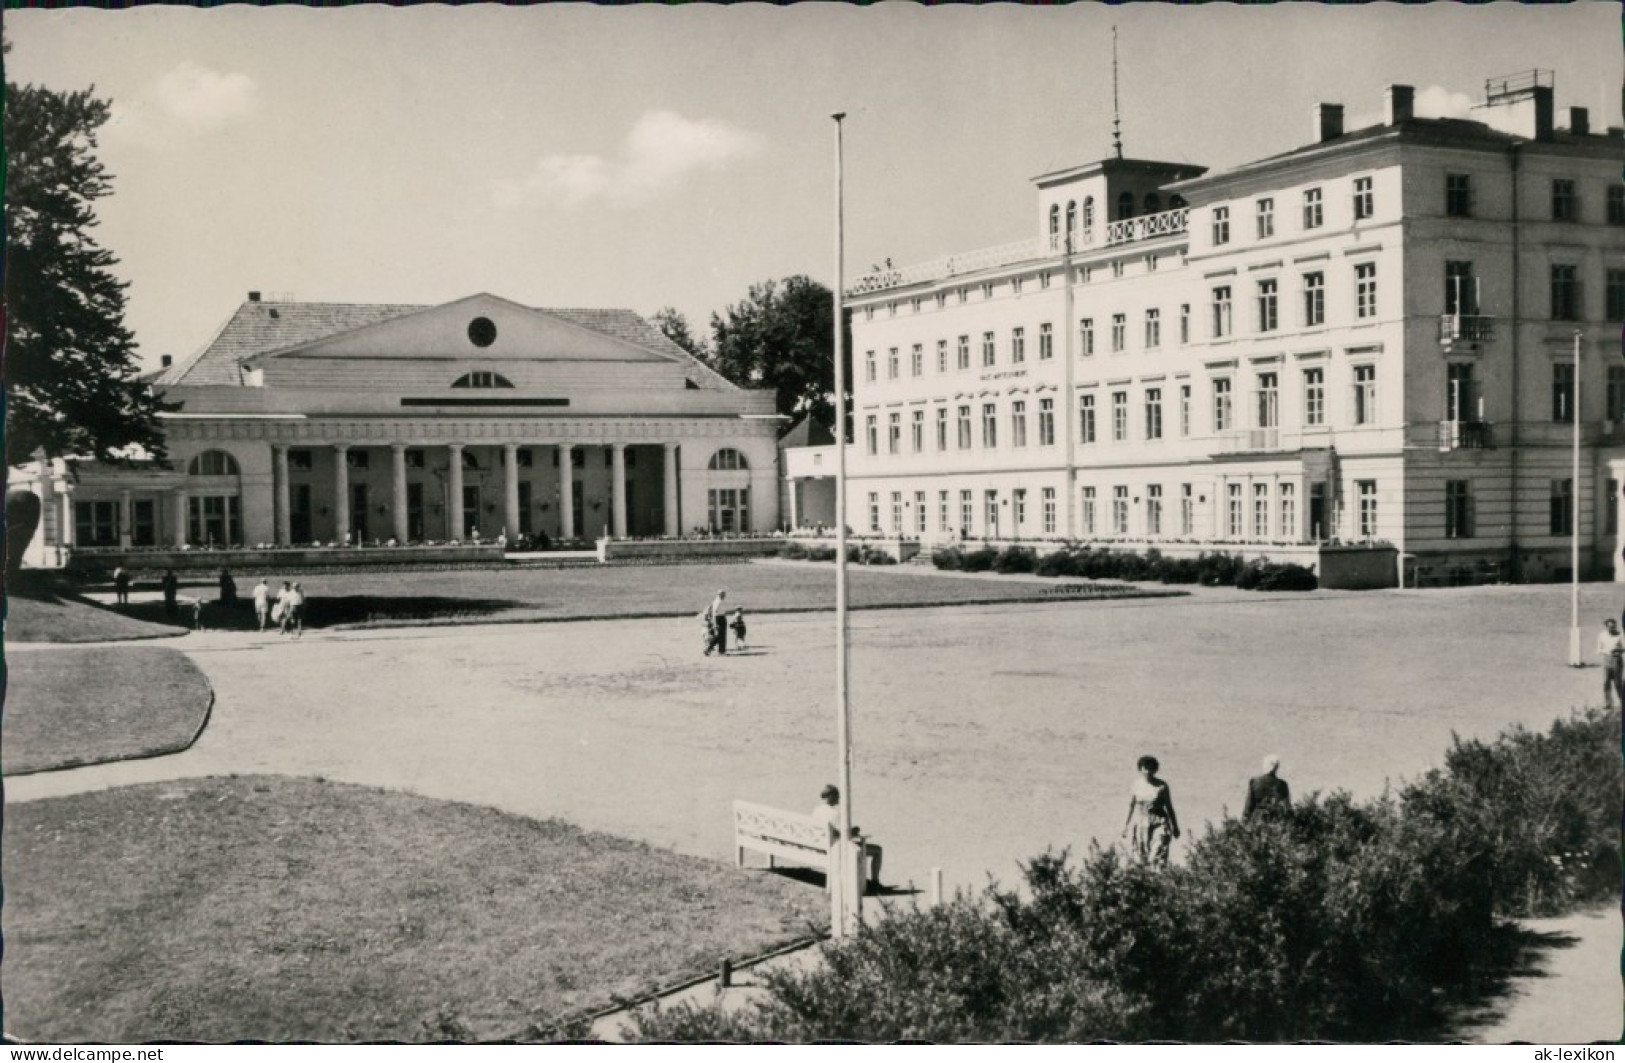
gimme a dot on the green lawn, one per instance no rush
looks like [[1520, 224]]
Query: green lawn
[[40, 609], [484, 595], [266, 907], [83, 705]]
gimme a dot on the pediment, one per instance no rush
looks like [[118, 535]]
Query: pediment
[[479, 327]]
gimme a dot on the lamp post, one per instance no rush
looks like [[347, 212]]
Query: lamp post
[[845, 901], [1575, 660]]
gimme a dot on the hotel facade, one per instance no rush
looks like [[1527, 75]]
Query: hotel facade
[[306, 423], [1367, 340]]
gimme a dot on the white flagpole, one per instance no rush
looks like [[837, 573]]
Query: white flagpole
[[846, 908], [1575, 660]]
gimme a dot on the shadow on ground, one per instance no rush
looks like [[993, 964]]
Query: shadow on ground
[[1519, 953], [326, 612]]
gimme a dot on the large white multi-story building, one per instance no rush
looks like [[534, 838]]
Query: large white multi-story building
[[1369, 338]]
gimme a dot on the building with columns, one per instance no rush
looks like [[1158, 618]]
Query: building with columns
[[1368, 338], [304, 423]]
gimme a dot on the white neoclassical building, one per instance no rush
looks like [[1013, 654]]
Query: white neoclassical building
[[1366, 339], [304, 422]]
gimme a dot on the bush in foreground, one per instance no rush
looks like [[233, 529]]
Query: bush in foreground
[[1336, 919]]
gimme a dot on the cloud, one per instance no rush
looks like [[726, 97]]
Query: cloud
[[659, 153], [206, 99]]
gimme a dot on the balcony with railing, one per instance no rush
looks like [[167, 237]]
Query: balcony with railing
[[1148, 226], [1465, 435], [1465, 328], [948, 266]]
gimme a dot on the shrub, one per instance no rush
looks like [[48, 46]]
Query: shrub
[[820, 553], [1262, 575], [1015, 559], [980, 560], [1218, 570], [1055, 563], [793, 551], [948, 558]]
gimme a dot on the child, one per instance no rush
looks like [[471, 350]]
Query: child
[[738, 626], [197, 614]]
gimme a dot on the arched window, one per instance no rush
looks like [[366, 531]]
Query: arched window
[[1176, 202], [213, 463], [728, 458], [482, 378], [1153, 204], [1054, 220], [1088, 217], [1071, 218], [1125, 206]]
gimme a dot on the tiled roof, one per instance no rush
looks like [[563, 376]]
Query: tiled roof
[[257, 327], [807, 433]]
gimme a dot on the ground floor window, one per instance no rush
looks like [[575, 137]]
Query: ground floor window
[[95, 523], [897, 512], [214, 520], [1049, 510], [1187, 510], [919, 512], [992, 514], [1367, 492], [1458, 509], [730, 508], [144, 522], [945, 521], [1233, 502], [1088, 511], [1261, 511], [1120, 511], [1289, 512], [414, 511], [967, 512], [1020, 508], [874, 511], [299, 512], [1562, 507], [1153, 509]]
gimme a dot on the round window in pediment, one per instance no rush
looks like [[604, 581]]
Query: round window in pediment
[[482, 332]]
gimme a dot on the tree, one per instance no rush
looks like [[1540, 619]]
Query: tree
[[70, 364], [670, 321], [782, 336]]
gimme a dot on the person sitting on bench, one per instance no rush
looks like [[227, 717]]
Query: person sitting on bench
[[829, 812]]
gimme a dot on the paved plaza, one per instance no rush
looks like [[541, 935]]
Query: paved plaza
[[983, 734]]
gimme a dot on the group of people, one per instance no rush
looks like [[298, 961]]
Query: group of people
[[287, 610], [1152, 825], [718, 622]]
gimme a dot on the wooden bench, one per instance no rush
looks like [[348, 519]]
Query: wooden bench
[[780, 835]]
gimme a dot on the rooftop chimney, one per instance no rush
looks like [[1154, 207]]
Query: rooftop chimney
[[1401, 104], [253, 297], [165, 361], [1579, 121], [1543, 112], [1328, 121]]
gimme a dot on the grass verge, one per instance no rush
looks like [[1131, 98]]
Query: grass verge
[[276, 908], [90, 705], [41, 609]]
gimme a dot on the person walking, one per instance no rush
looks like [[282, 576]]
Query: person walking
[[1151, 825], [171, 587], [228, 589], [296, 611], [716, 614], [121, 585], [1611, 648], [262, 602], [284, 598], [1267, 793], [738, 626]]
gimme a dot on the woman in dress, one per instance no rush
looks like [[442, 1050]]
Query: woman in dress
[[1151, 825]]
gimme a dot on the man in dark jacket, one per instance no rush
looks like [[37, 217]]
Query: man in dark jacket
[[1267, 792]]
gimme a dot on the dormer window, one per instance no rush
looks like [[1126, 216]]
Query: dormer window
[[482, 378]]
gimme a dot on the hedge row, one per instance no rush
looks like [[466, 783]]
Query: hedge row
[[862, 554], [1210, 569], [1336, 919]]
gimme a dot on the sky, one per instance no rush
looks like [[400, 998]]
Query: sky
[[577, 156]]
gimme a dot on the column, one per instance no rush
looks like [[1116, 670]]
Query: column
[[282, 504], [341, 491], [181, 516], [124, 519], [793, 490], [1221, 508], [397, 453], [454, 504], [66, 527], [510, 490], [567, 502], [617, 489], [669, 483]]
